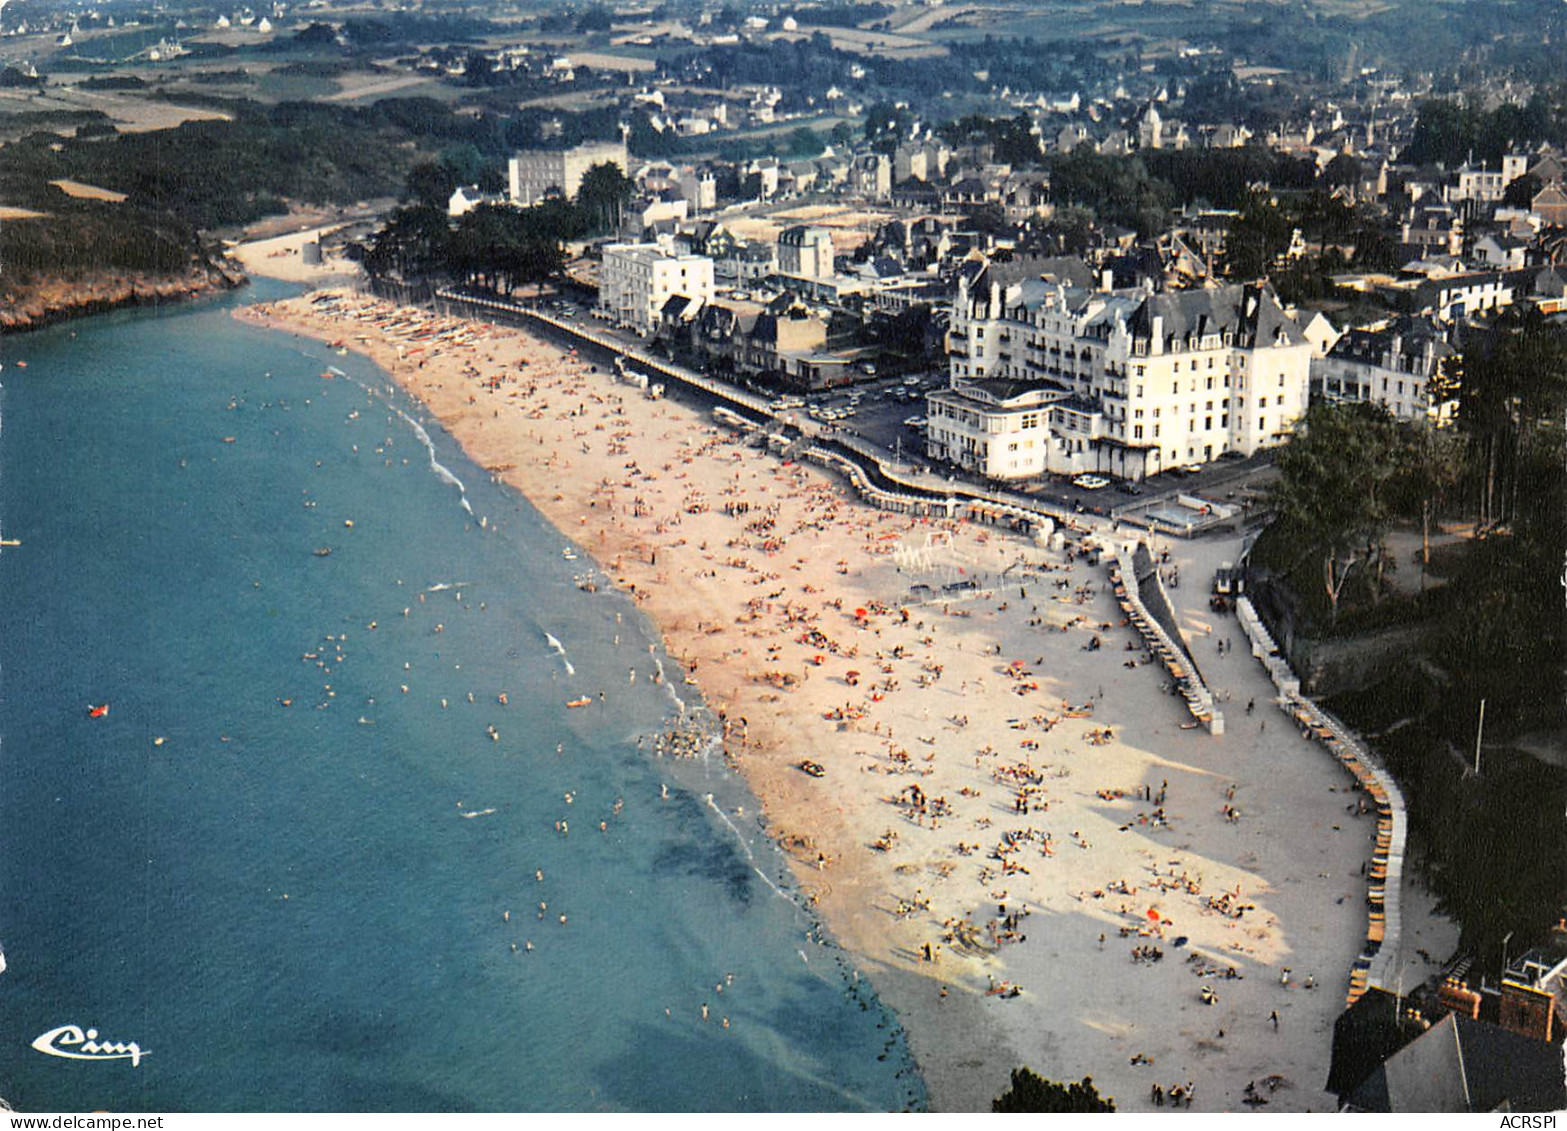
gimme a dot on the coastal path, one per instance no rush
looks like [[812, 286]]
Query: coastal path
[[1378, 961]]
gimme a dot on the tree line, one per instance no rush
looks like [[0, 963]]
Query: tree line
[[495, 246], [1493, 630]]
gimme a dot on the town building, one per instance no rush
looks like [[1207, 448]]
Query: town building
[[699, 187], [533, 173], [465, 198], [783, 342], [1485, 185], [1391, 365], [1433, 230], [1463, 1065], [1047, 377], [805, 252], [1550, 204], [636, 281]]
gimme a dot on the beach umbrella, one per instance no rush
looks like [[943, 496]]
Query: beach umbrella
[[1153, 913]]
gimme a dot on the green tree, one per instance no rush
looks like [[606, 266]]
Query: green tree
[[1521, 191], [1032, 1093], [886, 125], [595, 18], [430, 185], [1257, 238], [1375, 250], [1015, 143], [1343, 170], [1430, 469], [478, 69], [316, 35], [804, 142], [415, 242], [1511, 389], [987, 217], [603, 195], [1335, 491], [1445, 133]]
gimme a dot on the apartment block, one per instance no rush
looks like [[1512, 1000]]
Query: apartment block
[[1046, 377], [636, 280], [532, 173]]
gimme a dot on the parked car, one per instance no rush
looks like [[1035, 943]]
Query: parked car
[[1090, 482]]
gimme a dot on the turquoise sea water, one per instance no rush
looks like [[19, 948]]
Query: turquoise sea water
[[283, 905]]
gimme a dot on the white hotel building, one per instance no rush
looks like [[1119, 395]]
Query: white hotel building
[[637, 279], [1050, 378], [532, 173]]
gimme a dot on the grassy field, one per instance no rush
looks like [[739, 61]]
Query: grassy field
[[129, 111]]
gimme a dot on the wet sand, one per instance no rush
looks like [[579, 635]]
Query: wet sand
[[993, 786]]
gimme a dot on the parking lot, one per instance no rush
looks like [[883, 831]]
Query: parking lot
[[882, 411]]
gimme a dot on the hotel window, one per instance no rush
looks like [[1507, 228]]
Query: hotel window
[[1207, 423], [1262, 423], [1155, 431], [1137, 431], [1030, 420]]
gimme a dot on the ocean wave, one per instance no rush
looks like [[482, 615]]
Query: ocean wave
[[751, 856], [560, 650], [442, 472]]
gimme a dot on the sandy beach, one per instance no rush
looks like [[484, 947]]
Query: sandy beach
[[282, 257], [1007, 799]]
